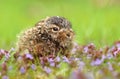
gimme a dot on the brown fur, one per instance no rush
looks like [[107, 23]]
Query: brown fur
[[51, 35]]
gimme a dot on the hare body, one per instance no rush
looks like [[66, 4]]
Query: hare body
[[49, 36]]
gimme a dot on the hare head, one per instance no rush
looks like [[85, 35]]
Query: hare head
[[56, 29]]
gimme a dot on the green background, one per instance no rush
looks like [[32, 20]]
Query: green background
[[96, 21]]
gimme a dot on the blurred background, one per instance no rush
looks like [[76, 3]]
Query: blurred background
[[96, 21]]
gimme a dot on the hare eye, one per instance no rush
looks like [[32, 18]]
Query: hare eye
[[55, 29]]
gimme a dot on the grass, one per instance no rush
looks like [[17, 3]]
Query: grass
[[91, 22]]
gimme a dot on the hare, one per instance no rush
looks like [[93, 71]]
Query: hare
[[52, 35]]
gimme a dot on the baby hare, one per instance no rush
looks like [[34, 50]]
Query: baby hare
[[52, 35]]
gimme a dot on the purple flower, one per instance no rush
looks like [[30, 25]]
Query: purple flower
[[47, 70], [11, 50], [118, 45], [19, 58], [2, 51], [10, 67], [89, 56], [5, 77], [110, 66], [33, 66], [81, 65], [29, 56], [22, 70], [58, 59], [115, 53], [86, 49], [77, 59], [52, 64], [65, 59], [75, 47], [73, 50], [7, 55], [50, 60], [103, 58], [109, 56], [96, 62]]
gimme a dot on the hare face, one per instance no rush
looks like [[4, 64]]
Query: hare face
[[63, 36], [58, 30]]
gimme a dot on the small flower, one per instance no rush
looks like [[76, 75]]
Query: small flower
[[103, 57], [109, 56], [65, 59], [29, 56], [57, 59], [96, 62], [81, 65], [10, 67], [19, 59], [75, 48], [7, 56], [110, 66], [117, 43], [89, 56], [47, 70], [52, 64], [5, 77], [115, 50], [50, 60], [12, 50], [22, 70], [85, 50], [33, 66], [2, 51], [43, 61], [115, 53], [77, 59]]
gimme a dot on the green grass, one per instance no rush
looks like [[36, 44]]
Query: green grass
[[90, 23]]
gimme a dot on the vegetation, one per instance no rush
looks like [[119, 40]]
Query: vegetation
[[96, 25]]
